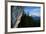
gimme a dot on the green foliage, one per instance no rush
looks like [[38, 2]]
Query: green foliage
[[27, 21]]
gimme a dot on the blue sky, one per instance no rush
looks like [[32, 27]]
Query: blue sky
[[32, 10]]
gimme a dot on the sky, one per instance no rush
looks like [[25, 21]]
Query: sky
[[32, 10]]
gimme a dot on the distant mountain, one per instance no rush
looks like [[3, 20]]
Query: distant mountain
[[35, 17]]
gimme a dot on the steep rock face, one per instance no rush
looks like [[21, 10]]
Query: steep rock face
[[18, 20], [15, 13]]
